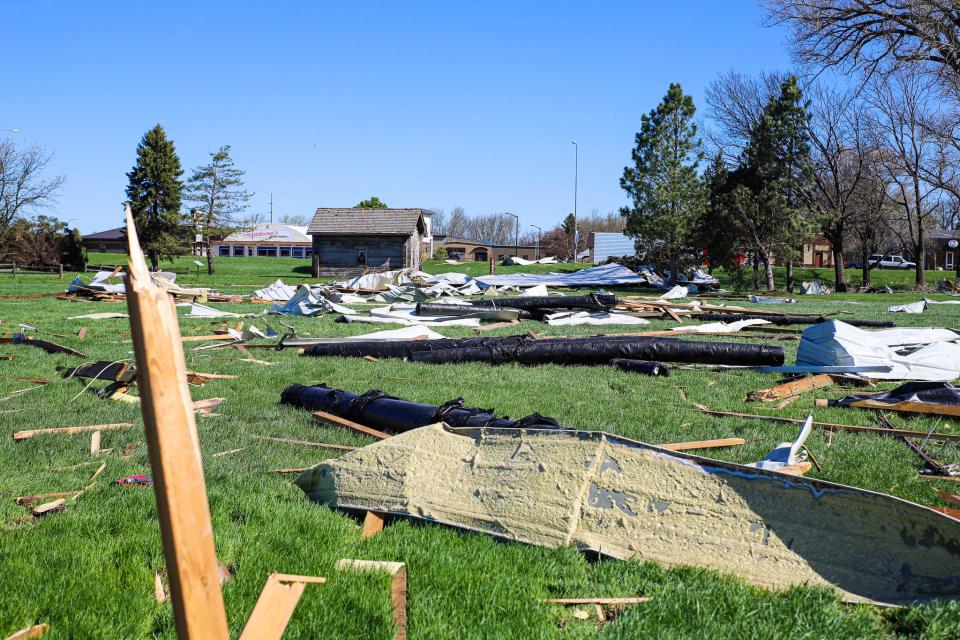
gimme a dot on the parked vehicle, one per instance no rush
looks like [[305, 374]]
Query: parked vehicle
[[878, 261]]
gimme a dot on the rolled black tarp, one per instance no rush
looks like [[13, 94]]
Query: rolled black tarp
[[643, 367], [938, 393], [600, 350], [600, 302], [469, 311], [785, 320], [403, 348], [377, 410]]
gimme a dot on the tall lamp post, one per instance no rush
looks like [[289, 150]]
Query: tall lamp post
[[539, 233], [576, 172], [516, 246]]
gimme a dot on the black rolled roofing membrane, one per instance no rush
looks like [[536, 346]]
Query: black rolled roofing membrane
[[470, 311], [942, 393], [783, 320], [601, 350], [377, 410], [644, 367], [599, 302], [402, 348]]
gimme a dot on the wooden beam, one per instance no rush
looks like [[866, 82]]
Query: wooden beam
[[307, 443], [349, 424], [398, 587], [36, 631], [901, 407], [209, 338], [832, 426], [184, 515], [703, 444], [792, 388], [276, 604], [23, 435], [372, 525]]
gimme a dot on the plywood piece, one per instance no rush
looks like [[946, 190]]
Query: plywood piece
[[792, 388], [275, 606], [372, 525], [703, 444], [23, 435], [350, 424], [174, 447], [36, 631]]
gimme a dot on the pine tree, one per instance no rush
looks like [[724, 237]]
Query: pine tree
[[217, 190], [715, 232], [775, 173], [667, 194], [372, 203], [154, 195], [72, 251]]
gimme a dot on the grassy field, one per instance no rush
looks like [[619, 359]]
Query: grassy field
[[89, 571]]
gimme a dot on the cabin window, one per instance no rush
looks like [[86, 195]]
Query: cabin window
[[361, 256], [224, 251]]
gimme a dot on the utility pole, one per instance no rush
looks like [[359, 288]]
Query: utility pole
[[539, 233], [576, 172], [271, 207], [516, 245]]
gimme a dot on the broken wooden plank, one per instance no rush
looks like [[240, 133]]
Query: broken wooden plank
[[82, 333], [703, 444], [792, 388], [275, 606], [168, 416], [949, 497], [46, 345], [227, 452], [95, 443], [206, 406], [350, 424], [26, 501], [23, 435], [950, 511], [372, 525], [307, 443], [207, 338], [30, 633], [398, 587], [828, 426], [49, 507], [496, 325]]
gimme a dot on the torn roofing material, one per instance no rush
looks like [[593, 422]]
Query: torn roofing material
[[910, 354], [607, 275], [627, 499], [940, 398]]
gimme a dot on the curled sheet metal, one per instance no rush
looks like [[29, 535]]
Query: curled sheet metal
[[626, 499]]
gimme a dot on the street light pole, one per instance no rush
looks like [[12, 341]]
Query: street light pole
[[576, 175], [516, 246], [539, 232]]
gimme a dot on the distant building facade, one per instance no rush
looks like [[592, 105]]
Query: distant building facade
[[945, 249], [604, 245], [466, 250], [268, 240], [817, 252], [347, 240], [109, 241]]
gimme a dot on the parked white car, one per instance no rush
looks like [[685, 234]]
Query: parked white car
[[891, 262]]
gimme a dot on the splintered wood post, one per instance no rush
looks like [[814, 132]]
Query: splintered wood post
[[174, 448], [350, 424], [398, 587], [275, 606], [95, 443], [792, 388]]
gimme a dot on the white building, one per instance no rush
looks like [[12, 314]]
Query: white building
[[603, 245], [270, 240]]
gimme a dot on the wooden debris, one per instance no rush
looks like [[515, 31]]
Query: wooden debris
[[792, 388], [950, 511], [26, 501], [349, 424], [168, 416], [812, 459], [703, 444], [33, 380], [928, 408], [36, 631], [372, 525], [82, 333], [949, 497], [275, 606], [496, 325], [799, 469], [834, 426], [158, 591], [102, 370], [601, 601], [207, 338], [307, 443], [7, 358], [293, 470], [206, 406], [46, 345], [398, 587], [95, 443], [371, 359], [222, 572], [49, 507], [23, 435], [227, 452]]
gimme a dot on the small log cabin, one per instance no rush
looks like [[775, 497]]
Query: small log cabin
[[348, 241]]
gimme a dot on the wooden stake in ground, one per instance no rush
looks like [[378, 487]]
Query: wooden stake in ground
[[174, 448], [398, 587]]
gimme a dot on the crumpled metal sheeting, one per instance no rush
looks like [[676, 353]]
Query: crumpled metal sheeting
[[598, 302], [604, 275], [309, 301], [438, 309], [377, 410], [601, 350]]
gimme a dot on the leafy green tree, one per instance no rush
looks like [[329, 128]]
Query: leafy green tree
[[663, 183], [154, 192], [774, 174], [372, 203], [217, 190], [72, 251]]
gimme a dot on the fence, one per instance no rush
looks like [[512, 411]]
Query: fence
[[14, 269]]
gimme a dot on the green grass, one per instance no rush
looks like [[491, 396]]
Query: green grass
[[88, 572]]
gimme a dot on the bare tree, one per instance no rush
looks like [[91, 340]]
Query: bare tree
[[902, 106], [295, 220], [735, 104], [868, 224], [457, 225], [873, 35], [22, 186], [438, 223]]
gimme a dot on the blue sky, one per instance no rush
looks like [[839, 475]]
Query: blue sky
[[424, 104]]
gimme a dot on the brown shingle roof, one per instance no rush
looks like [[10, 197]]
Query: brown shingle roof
[[352, 222]]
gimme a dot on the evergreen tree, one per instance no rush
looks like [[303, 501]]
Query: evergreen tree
[[667, 194], [72, 251], [715, 232], [775, 173], [153, 192], [372, 203], [217, 190]]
